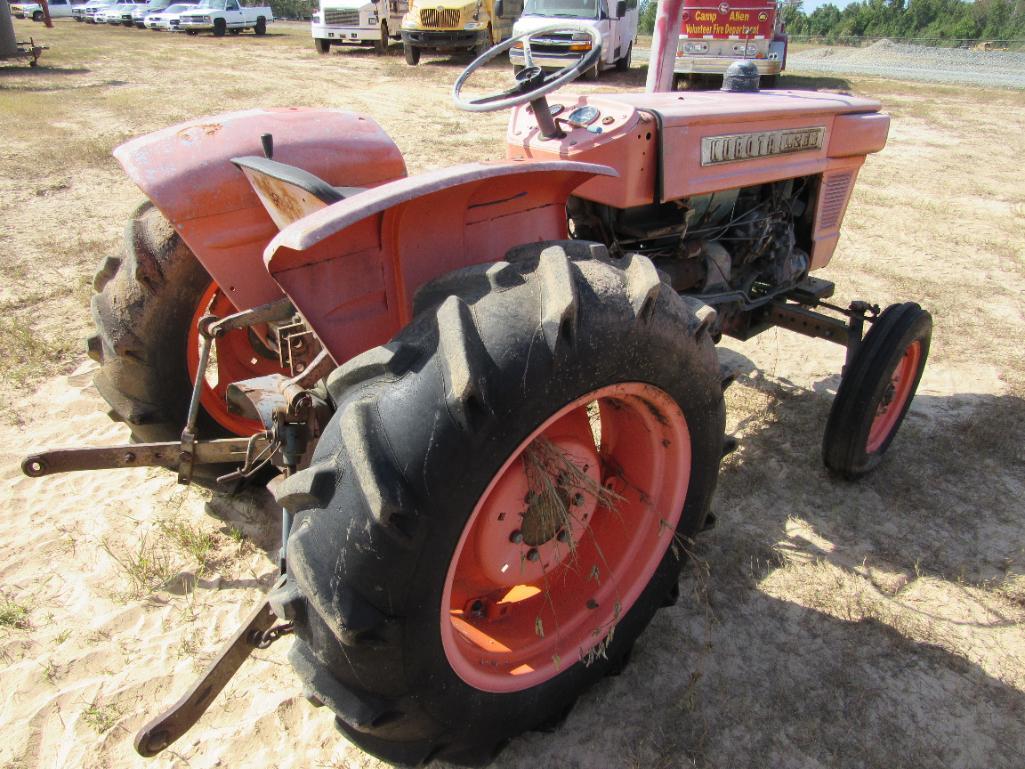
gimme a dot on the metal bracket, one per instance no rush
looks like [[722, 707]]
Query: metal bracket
[[182, 716]]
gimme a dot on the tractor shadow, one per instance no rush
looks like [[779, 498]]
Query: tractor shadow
[[832, 623]]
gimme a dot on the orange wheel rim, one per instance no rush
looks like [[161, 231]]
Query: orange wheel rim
[[233, 359], [565, 538], [895, 397]]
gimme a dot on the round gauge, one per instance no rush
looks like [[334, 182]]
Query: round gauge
[[582, 117], [555, 109]]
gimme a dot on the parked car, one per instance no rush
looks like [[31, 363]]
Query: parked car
[[59, 9], [162, 20], [220, 16], [121, 12], [153, 6], [90, 9]]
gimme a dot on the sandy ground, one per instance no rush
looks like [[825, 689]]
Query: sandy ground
[[822, 624]]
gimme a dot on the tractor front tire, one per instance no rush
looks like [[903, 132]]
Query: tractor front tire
[[144, 303], [876, 390], [415, 499]]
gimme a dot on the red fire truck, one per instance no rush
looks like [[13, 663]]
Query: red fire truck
[[715, 34]]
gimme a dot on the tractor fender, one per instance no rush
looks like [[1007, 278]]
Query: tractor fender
[[186, 171], [351, 269]]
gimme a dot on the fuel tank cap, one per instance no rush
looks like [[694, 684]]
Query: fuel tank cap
[[740, 76]]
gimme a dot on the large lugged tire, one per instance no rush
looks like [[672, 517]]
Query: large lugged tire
[[518, 469], [876, 390], [145, 306]]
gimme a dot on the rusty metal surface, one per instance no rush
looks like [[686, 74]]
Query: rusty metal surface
[[180, 717], [377, 248], [327, 222], [64, 460], [186, 171]]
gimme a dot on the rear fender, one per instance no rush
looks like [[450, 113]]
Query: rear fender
[[351, 269], [186, 170]]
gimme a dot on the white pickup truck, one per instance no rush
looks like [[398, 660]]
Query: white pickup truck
[[220, 16]]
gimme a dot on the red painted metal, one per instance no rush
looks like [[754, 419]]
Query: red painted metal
[[895, 398], [235, 360], [352, 268], [661, 160], [528, 594], [664, 38], [186, 171]]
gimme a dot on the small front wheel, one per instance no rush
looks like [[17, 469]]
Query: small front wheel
[[876, 390]]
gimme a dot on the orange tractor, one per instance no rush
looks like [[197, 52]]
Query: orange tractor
[[492, 389]]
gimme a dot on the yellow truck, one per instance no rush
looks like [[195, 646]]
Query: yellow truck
[[456, 25]]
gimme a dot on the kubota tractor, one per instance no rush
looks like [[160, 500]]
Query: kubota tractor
[[492, 389]]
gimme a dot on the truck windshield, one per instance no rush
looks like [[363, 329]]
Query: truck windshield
[[217, 5], [562, 9]]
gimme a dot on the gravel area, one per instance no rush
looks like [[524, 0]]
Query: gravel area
[[915, 62]]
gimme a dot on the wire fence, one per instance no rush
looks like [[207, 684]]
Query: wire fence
[[859, 41]]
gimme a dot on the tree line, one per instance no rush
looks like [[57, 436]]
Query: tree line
[[950, 19]]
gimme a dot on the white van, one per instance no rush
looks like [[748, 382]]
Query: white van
[[615, 20]]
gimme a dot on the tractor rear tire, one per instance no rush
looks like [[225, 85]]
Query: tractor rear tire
[[143, 305], [428, 429], [876, 390]]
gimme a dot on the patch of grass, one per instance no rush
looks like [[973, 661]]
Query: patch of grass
[[29, 355], [14, 615], [102, 718], [190, 540], [148, 567]]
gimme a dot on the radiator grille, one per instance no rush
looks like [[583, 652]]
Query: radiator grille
[[439, 18], [834, 193], [341, 17]]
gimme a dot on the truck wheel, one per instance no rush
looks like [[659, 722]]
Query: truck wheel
[[261, 26], [876, 390], [220, 27], [623, 64], [411, 53], [499, 506], [37, 16], [593, 73], [381, 46], [322, 45], [768, 81], [146, 305]]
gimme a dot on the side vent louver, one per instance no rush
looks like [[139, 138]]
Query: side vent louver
[[834, 192]]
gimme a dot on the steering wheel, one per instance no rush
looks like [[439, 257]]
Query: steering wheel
[[531, 82]]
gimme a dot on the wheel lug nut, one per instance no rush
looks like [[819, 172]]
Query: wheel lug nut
[[533, 555], [516, 537]]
